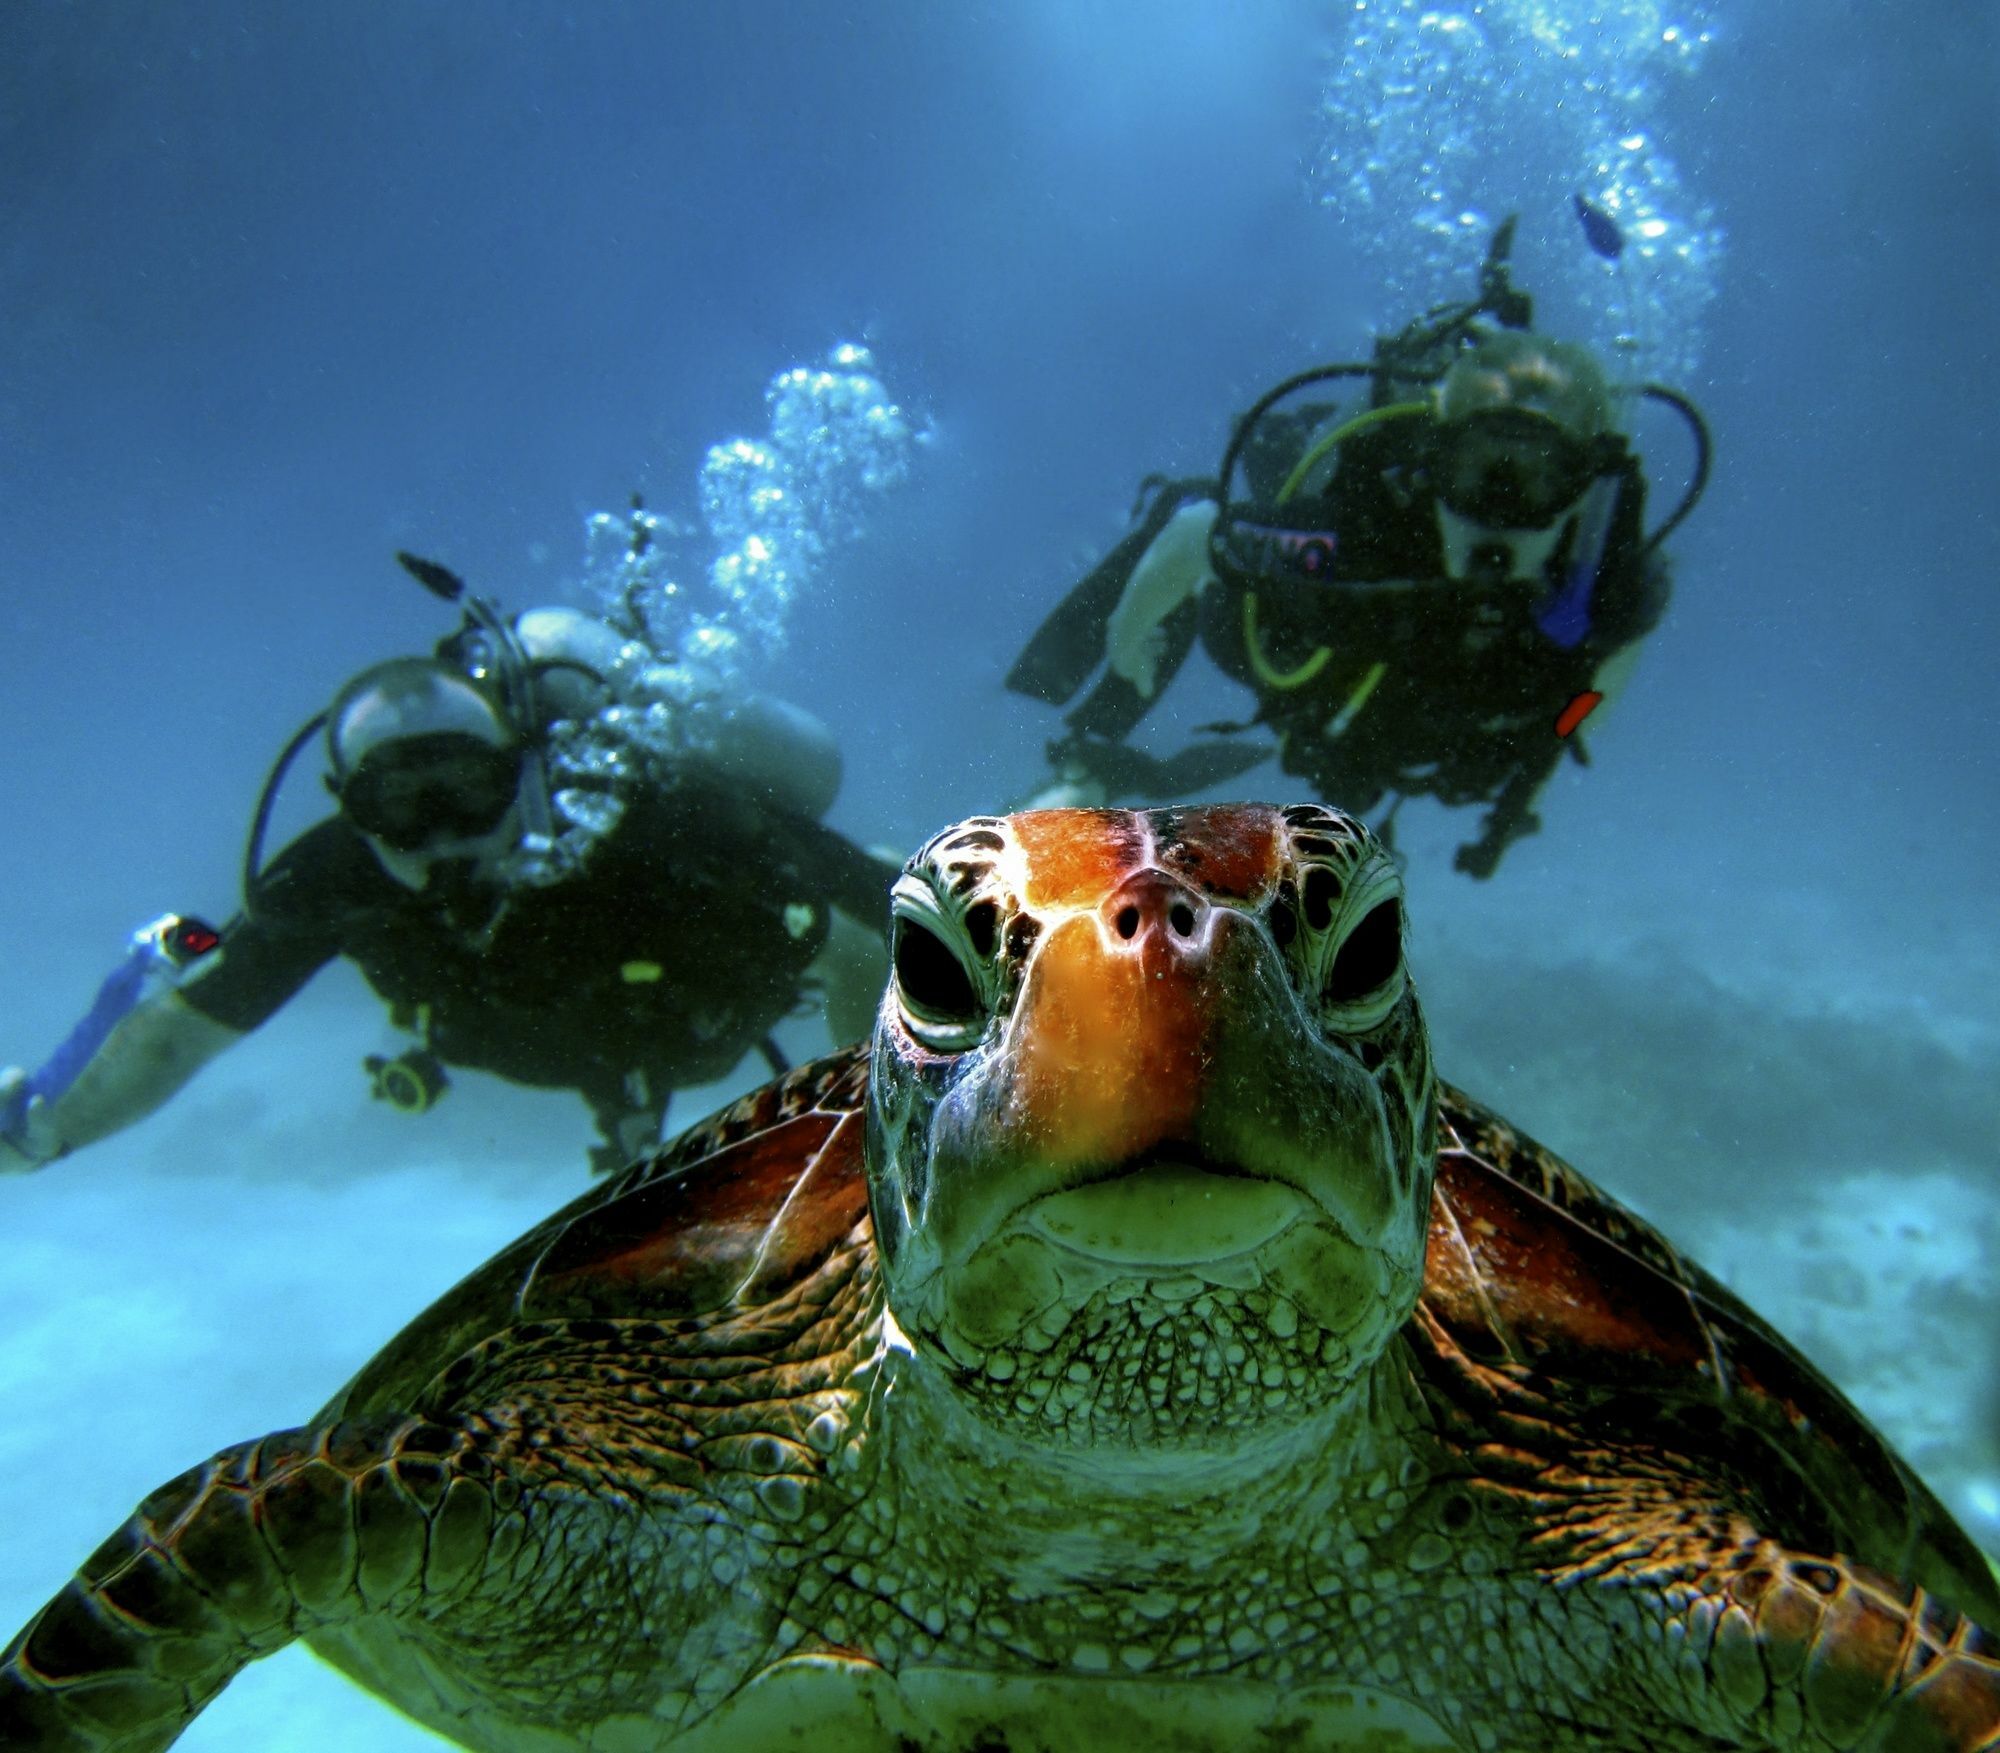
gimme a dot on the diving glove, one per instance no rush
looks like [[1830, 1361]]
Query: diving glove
[[26, 1139]]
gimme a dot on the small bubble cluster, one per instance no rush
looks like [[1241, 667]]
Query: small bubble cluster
[[778, 506], [1439, 122], [590, 767], [775, 509]]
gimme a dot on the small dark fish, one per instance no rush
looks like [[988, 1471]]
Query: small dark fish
[[1600, 230]]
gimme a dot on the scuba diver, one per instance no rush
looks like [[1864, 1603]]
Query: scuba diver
[[1427, 596], [657, 956]]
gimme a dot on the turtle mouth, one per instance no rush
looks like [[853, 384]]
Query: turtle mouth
[[1166, 1211], [1168, 1302]]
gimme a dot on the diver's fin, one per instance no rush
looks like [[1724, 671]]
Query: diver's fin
[[1202, 765], [1070, 643], [1121, 771]]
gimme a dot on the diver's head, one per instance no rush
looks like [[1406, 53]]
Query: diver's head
[[425, 766], [1523, 428]]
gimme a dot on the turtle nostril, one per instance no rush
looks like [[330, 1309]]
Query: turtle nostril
[[1153, 908]]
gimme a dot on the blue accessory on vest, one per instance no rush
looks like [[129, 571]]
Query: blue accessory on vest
[[1565, 617]]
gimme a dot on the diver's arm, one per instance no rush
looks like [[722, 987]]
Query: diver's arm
[[131, 1050], [143, 1040], [849, 973], [148, 1055], [1636, 605], [853, 963], [1634, 582], [175, 1002]]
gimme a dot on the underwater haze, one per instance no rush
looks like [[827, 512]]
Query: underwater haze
[[283, 290]]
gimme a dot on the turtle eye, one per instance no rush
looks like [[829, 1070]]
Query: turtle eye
[[1364, 975], [1369, 957], [1321, 894], [937, 983], [932, 980], [1342, 929]]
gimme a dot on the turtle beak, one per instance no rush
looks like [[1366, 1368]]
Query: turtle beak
[[1115, 1029]]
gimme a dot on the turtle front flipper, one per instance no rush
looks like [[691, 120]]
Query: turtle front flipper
[[269, 1541], [1817, 1652]]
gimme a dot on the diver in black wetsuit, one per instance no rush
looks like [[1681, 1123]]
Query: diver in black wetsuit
[[658, 957], [1427, 597]]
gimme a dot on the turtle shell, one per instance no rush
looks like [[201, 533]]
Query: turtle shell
[[1536, 1283]]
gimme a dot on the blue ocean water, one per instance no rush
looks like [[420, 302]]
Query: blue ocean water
[[283, 290]]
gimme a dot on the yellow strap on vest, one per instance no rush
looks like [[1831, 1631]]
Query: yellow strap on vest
[[1340, 435], [1338, 723], [1284, 681]]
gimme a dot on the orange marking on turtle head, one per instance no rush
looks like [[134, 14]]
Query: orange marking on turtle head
[[1074, 857], [1124, 993], [1232, 851]]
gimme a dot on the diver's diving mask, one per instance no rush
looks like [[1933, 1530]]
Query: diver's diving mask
[[443, 786], [1511, 468]]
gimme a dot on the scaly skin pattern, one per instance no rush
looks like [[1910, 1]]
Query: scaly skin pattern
[[1173, 1370]]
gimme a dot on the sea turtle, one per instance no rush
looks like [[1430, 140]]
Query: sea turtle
[[1133, 1347]]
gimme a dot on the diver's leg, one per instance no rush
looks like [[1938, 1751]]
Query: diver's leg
[[1509, 819], [631, 1121]]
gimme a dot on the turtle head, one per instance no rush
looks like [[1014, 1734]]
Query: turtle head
[[1152, 1120]]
